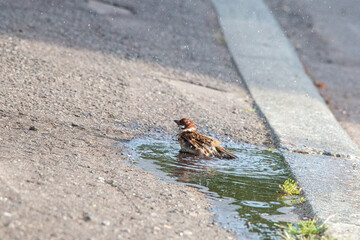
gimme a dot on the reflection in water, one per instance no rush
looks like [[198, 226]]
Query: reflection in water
[[251, 181]]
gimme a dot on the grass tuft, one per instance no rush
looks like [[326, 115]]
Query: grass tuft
[[290, 187], [305, 230], [299, 200]]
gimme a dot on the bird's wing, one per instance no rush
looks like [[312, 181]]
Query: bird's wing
[[197, 139], [206, 144], [200, 141]]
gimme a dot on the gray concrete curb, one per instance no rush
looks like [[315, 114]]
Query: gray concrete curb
[[296, 112]]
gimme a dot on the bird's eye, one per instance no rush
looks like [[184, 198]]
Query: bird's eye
[[183, 126]]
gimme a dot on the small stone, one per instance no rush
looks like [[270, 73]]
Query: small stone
[[125, 230], [101, 179], [32, 128], [105, 223], [326, 153], [188, 233], [6, 214], [86, 217], [111, 182], [193, 214]]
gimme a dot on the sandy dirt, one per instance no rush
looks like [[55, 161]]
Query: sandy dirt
[[325, 35], [77, 78]]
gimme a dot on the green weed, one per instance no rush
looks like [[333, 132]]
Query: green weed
[[298, 201], [305, 230], [290, 187]]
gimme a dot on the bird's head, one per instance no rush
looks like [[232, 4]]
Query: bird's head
[[186, 125]]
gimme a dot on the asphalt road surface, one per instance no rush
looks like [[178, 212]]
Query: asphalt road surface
[[79, 77], [326, 35]]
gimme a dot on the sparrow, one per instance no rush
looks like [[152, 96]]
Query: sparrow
[[198, 144]]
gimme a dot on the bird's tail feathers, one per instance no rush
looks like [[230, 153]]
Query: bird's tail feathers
[[225, 153]]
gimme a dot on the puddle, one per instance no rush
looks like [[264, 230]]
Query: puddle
[[243, 191]]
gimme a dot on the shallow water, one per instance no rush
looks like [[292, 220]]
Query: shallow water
[[244, 190]]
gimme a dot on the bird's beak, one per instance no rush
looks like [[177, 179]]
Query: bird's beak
[[177, 122]]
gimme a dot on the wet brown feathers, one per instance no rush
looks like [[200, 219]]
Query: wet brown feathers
[[198, 144]]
